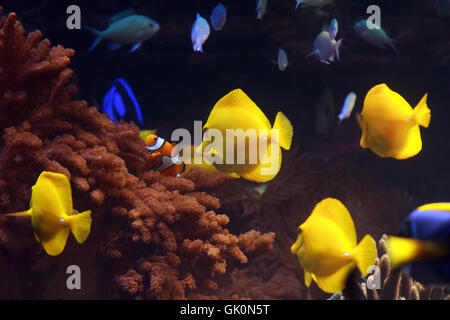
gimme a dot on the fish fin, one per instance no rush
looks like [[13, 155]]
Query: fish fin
[[379, 89], [338, 48], [80, 225], [239, 100], [122, 14], [311, 53], [286, 131], [440, 206], [234, 175], [391, 44], [96, 32], [136, 46], [258, 174], [422, 113], [333, 210], [36, 237], [20, 214], [52, 192], [365, 254], [95, 43], [336, 281], [113, 46], [56, 244], [308, 278], [61, 185], [363, 141]]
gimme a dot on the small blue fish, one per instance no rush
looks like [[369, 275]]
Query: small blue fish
[[325, 46], [261, 8], [126, 27], [347, 109], [374, 34], [422, 246], [282, 60], [199, 33], [218, 17], [116, 100]]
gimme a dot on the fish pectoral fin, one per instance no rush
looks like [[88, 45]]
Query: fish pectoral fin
[[136, 46], [20, 214], [80, 225], [56, 244], [308, 278], [336, 281]]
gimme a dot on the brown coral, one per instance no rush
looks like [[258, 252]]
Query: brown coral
[[162, 238]]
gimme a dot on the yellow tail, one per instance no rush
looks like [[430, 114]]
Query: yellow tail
[[422, 113], [285, 129], [365, 254], [80, 225]]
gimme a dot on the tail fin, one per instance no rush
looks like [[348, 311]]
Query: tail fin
[[422, 113], [20, 214], [391, 44], [97, 40], [80, 225], [365, 254], [285, 129]]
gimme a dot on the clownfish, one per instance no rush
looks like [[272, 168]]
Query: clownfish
[[169, 164]]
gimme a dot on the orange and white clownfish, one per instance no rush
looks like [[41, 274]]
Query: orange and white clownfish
[[170, 164]]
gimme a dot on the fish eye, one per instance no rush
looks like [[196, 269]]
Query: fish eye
[[151, 25]]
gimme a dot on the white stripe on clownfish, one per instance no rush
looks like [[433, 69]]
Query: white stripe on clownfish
[[159, 143]]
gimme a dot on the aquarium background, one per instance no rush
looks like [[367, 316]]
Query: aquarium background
[[176, 86]]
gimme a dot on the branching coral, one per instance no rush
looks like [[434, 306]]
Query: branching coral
[[162, 238]]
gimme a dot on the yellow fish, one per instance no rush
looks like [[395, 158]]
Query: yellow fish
[[51, 213], [326, 247], [390, 126], [252, 151], [143, 134]]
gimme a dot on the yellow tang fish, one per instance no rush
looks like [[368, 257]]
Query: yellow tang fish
[[390, 126], [51, 213], [252, 151], [326, 247]]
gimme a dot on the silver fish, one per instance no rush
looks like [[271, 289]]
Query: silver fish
[[374, 34], [199, 33], [125, 28], [325, 45]]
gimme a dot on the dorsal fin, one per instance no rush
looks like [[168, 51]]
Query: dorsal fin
[[381, 88], [122, 14], [335, 211], [238, 99]]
